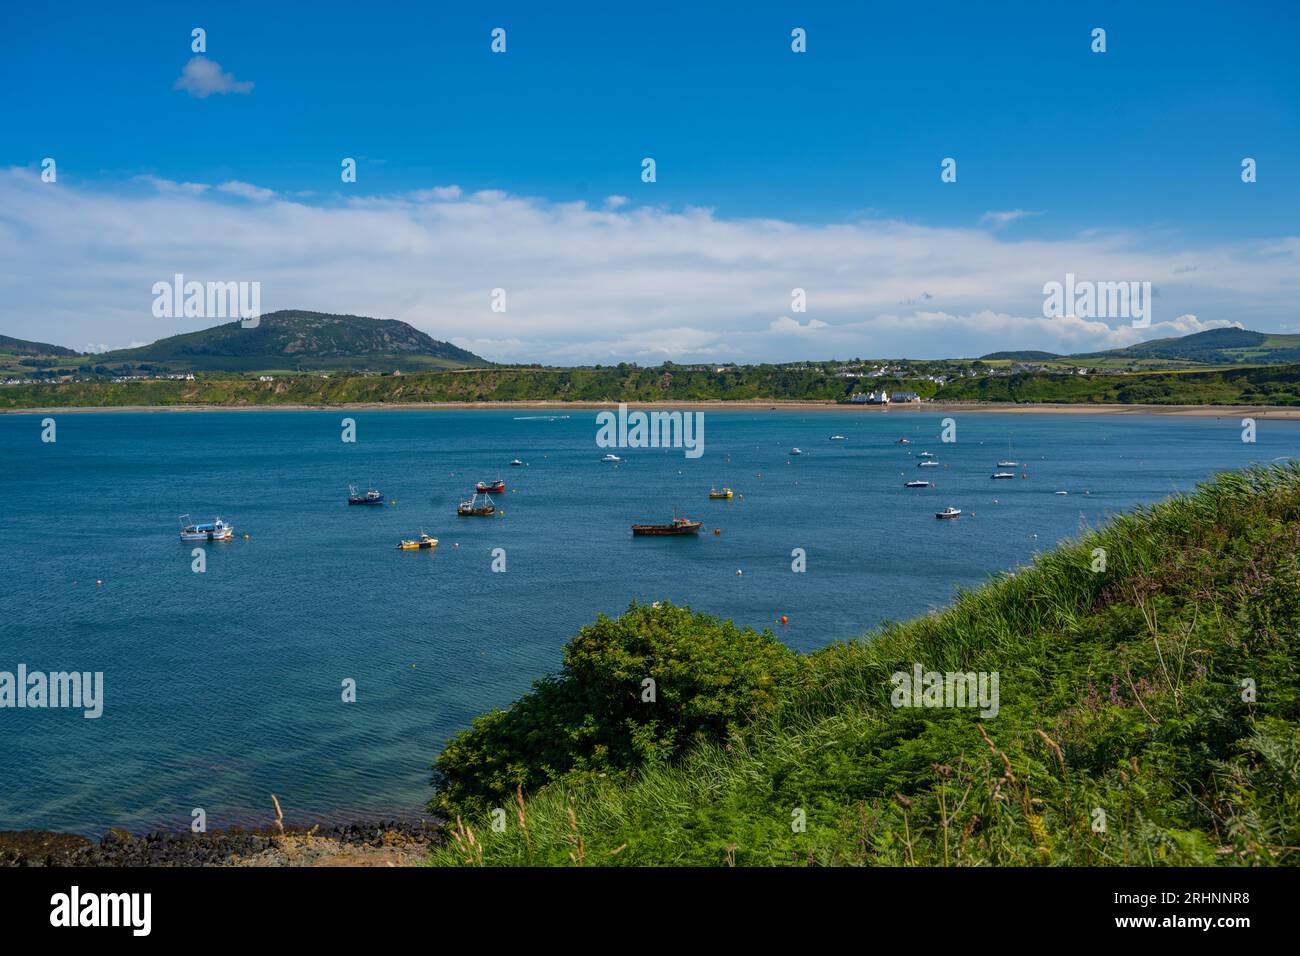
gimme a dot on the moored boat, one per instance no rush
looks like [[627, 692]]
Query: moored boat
[[472, 508], [949, 512], [611, 458], [371, 497], [214, 530], [838, 438], [516, 463], [918, 484], [1003, 474], [927, 463], [423, 543], [497, 487], [677, 526], [796, 451], [724, 493]]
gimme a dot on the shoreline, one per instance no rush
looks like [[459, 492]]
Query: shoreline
[[1200, 411], [366, 843]]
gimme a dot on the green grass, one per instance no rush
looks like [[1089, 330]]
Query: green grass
[[1121, 693]]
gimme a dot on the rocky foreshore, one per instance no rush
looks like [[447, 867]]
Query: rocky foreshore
[[378, 843]]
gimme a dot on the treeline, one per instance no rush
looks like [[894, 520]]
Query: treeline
[[1263, 385]]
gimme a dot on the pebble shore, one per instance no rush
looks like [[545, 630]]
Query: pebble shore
[[378, 843]]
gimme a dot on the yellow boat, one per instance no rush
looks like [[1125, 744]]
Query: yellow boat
[[420, 544], [724, 493]]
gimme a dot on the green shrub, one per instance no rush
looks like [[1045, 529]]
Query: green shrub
[[596, 715]]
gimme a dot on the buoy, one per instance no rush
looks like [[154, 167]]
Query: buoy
[[784, 619], [717, 531], [97, 581], [738, 572]]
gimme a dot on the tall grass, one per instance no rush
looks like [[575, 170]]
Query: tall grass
[[1126, 732]]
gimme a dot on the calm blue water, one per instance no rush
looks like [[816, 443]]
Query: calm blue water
[[224, 687]]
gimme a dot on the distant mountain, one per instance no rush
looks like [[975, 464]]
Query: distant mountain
[[291, 340], [1028, 356], [1214, 347], [23, 347]]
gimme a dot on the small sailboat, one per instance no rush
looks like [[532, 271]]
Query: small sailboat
[[214, 530], [949, 512], [724, 493], [497, 487], [1008, 462], [473, 509], [918, 484], [371, 497], [423, 543]]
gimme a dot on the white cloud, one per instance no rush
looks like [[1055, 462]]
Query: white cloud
[[998, 219], [202, 77], [791, 326], [601, 284], [246, 190], [615, 202]]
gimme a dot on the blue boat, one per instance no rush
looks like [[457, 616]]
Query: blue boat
[[371, 497]]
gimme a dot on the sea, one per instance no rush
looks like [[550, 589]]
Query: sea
[[228, 675]]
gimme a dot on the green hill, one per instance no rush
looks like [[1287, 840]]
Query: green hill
[[1212, 347], [1027, 356], [14, 346], [294, 340], [1148, 712]]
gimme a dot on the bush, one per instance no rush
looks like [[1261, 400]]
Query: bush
[[597, 715]]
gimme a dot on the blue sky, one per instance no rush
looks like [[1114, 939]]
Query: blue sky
[[1136, 149]]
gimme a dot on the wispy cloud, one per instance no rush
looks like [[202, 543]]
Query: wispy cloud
[[202, 77], [997, 219], [246, 190], [599, 284]]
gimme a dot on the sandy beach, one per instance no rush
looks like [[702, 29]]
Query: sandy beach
[[558, 408]]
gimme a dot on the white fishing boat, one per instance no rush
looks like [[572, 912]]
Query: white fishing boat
[[949, 512], [214, 530]]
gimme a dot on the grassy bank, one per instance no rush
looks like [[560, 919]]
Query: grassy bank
[[1126, 731], [1265, 385]]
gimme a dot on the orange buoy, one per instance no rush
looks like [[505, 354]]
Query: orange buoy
[[717, 531], [784, 619]]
